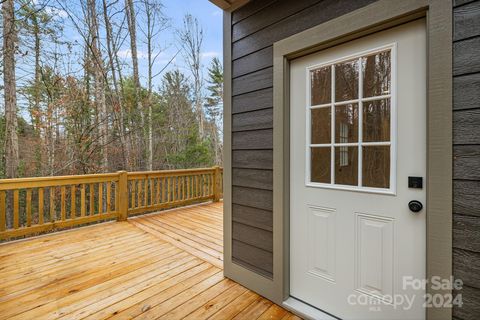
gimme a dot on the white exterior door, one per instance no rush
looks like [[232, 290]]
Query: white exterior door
[[358, 137]]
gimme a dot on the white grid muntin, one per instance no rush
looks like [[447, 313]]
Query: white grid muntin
[[359, 101]]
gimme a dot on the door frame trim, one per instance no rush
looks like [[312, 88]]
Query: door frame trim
[[375, 17]]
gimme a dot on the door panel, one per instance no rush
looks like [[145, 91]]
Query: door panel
[[357, 132], [321, 240]]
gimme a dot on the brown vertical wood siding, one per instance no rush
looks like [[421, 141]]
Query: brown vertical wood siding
[[255, 27], [466, 155]]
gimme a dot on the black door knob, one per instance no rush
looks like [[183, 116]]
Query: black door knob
[[415, 206]]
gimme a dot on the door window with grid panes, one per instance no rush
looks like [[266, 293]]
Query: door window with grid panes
[[351, 123]]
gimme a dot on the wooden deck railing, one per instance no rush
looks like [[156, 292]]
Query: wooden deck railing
[[42, 204]]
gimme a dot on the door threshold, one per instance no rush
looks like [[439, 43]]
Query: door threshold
[[305, 310]]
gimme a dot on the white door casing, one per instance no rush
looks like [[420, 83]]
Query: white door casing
[[353, 239]]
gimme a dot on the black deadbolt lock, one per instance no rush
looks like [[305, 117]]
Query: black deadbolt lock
[[415, 206]]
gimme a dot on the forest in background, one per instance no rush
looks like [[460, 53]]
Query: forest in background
[[76, 104]]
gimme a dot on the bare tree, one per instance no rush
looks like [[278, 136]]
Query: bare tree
[[112, 59], [100, 77], [191, 40], [10, 97], [155, 23], [132, 28]]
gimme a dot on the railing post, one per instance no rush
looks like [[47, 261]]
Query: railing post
[[123, 196], [216, 185]]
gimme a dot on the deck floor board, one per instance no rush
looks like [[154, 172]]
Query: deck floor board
[[166, 265]]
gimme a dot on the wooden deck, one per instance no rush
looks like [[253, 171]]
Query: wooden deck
[[166, 265]]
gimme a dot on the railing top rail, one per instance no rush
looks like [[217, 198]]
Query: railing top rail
[[170, 172], [21, 183]]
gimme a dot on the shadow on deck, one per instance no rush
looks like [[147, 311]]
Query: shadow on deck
[[164, 265]]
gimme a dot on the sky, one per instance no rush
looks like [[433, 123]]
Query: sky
[[210, 18]]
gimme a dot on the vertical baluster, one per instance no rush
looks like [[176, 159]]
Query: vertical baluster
[[167, 196], [170, 189], [73, 202], [52, 204], [157, 198], [40, 205], [209, 188], [100, 198], [62, 205], [92, 199], [182, 186], [204, 184], [109, 195], [117, 196], [3, 213], [145, 192], [174, 189], [197, 188], [82, 201], [29, 207], [15, 209], [132, 187], [152, 191], [188, 187], [139, 193]]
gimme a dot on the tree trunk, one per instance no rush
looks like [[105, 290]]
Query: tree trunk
[[119, 95], [150, 89], [11, 126], [131, 21], [100, 77]]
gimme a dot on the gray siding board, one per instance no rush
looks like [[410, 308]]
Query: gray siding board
[[253, 159], [260, 259], [253, 268], [260, 139], [259, 179], [466, 197], [467, 266], [465, 56], [255, 61], [466, 155], [257, 80], [257, 198], [269, 16], [253, 101], [466, 129], [253, 236], [466, 21], [466, 94], [249, 9], [466, 232], [471, 304], [466, 162], [457, 3], [309, 17], [254, 120], [253, 217]]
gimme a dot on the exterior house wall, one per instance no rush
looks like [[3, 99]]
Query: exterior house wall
[[255, 27], [466, 154]]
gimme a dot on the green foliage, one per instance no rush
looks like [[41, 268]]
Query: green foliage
[[179, 127], [197, 154], [214, 101]]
